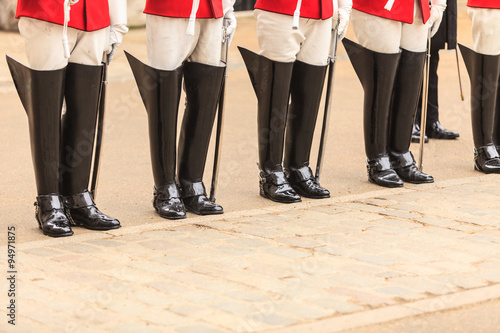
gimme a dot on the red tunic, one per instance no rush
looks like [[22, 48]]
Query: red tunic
[[484, 3], [87, 15], [182, 8], [401, 11], [314, 9]]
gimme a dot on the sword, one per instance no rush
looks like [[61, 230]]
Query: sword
[[459, 76], [220, 112], [99, 131], [328, 100], [425, 98]]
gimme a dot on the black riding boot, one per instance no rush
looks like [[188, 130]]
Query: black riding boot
[[82, 94], [484, 71], [203, 85], [161, 91], [377, 72], [271, 82], [41, 93], [496, 128], [305, 90], [404, 106]]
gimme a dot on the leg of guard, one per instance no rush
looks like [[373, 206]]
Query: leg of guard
[[305, 90], [406, 94], [161, 91], [271, 82], [41, 94], [484, 71], [82, 94], [203, 86], [377, 72]]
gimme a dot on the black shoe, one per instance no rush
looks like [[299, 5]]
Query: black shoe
[[83, 212], [275, 187], [195, 200], [405, 167], [415, 135], [486, 159], [167, 202], [437, 131], [381, 173], [303, 182], [51, 217]]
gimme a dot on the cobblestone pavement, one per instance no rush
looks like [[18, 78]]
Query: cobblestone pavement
[[318, 266]]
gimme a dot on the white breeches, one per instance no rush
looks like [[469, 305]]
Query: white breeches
[[169, 46], [485, 30], [279, 42], [387, 36], [44, 48]]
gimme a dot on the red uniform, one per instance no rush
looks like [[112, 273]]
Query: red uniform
[[86, 15], [182, 8], [402, 10], [484, 3], [314, 9]]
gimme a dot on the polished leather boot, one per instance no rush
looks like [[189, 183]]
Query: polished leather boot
[[380, 172], [271, 83], [486, 159], [41, 93], [415, 134], [484, 73], [436, 131], [274, 186], [304, 183], [161, 91], [305, 91], [82, 94], [406, 94], [51, 216], [203, 86], [406, 169], [83, 212], [377, 73], [167, 202]]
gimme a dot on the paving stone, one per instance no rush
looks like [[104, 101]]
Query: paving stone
[[399, 292], [491, 276], [374, 259], [249, 242], [359, 296], [233, 250], [56, 284], [133, 327], [191, 310], [465, 282], [67, 258], [106, 242], [360, 206], [43, 252], [300, 310], [82, 277], [261, 232], [390, 230], [199, 329], [401, 214], [437, 222], [397, 223], [335, 305], [159, 245], [234, 307], [286, 252], [330, 209], [92, 264], [153, 298], [301, 242], [172, 260], [167, 287], [165, 319], [78, 248], [423, 285]]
